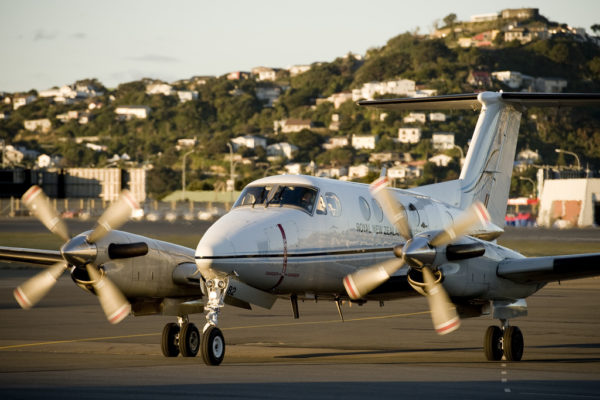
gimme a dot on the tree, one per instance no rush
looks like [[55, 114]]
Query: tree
[[595, 28], [450, 19]]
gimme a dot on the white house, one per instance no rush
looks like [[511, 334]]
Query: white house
[[332, 172], [437, 117], [160, 88], [40, 125], [128, 112], [441, 160], [187, 95], [294, 168], [339, 98], [415, 117], [399, 87], [442, 140], [20, 101], [359, 171], [249, 141], [409, 135], [96, 147], [282, 149], [292, 125], [406, 171], [336, 141], [46, 161], [550, 85], [296, 70], [264, 73], [364, 142]]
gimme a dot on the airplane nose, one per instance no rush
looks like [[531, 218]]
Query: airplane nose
[[211, 246]]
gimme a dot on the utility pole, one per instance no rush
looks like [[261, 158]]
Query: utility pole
[[183, 174]]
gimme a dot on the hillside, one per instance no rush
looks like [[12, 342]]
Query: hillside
[[87, 130]]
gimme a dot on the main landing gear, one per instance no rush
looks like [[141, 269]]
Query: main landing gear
[[504, 341], [184, 338], [180, 338]]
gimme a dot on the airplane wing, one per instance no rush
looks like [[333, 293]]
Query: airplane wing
[[550, 269], [30, 256], [471, 101]]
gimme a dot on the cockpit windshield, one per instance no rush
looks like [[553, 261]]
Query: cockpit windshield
[[279, 196]]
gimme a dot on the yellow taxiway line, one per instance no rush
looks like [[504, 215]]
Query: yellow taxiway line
[[15, 346]]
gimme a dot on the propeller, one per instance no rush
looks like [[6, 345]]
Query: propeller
[[418, 252], [38, 204], [36, 287], [81, 252]]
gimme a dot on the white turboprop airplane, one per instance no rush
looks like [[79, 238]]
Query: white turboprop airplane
[[301, 237]]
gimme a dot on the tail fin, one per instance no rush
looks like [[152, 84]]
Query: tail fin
[[488, 165], [487, 170]]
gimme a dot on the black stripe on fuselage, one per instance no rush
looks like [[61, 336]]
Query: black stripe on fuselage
[[311, 254]]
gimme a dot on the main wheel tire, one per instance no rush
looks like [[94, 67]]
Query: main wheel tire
[[513, 344], [169, 340], [492, 343], [189, 340], [213, 346]]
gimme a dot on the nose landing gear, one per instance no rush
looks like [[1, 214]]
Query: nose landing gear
[[506, 341]]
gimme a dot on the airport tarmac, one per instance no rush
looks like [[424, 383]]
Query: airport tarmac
[[66, 348]]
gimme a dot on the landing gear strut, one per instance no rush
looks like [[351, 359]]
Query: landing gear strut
[[213, 342], [181, 337], [506, 341]]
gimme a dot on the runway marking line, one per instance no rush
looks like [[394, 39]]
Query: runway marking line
[[15, 346]]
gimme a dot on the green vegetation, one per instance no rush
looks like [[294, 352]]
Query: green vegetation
[[229, 108]]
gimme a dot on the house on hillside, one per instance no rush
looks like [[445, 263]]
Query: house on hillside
[[442, 140], [282, 149], [129, 112], [296, 70], [291, 125], [42, 125], [20, 101], [335, 142], [264, 73], [249, 141], [409, 135], [364, 142], [441, 160], [479, 79], [413, 117]]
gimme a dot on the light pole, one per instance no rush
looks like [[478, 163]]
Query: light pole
[[183, 174], [462, 155], [571, 153], [534, 193]]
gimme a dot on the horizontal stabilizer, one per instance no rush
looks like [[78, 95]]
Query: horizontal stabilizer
[[550, 269], [473, 101]]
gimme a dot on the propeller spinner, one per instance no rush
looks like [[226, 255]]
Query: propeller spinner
[[79, 251], [418, 252]]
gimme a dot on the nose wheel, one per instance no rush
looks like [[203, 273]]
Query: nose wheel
[[213, 346]]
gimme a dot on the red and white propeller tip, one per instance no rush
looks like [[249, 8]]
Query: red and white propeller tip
[[35, 288], [113, 302], [39, 205]]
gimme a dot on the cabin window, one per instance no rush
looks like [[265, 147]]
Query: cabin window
[[377, 211], [364, 208], [334, 207], [279, 196]]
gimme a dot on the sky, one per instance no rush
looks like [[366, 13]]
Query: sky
[[52, 43]]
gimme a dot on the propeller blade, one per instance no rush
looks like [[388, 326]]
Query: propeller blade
[[38, 204], [113, 302], [36, 287], [360, 283], [464, 222], [116, 215], [443, 312], [393, 209]]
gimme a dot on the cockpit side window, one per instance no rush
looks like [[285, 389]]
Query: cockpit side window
[[321, 206], [279, 195], [334, 207]]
